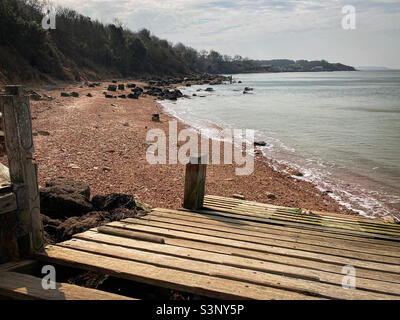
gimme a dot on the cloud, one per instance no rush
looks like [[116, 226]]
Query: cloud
[[260, 28]]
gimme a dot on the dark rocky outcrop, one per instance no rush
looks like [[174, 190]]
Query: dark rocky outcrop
[[65, 198], [112, 87], [133, 96], [74, 225], [260, 143], [113, 201]]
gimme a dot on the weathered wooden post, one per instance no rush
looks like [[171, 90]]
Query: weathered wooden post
[[195, 181], [23, 172]]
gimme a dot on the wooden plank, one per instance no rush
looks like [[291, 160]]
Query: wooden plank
[[307, 287], [280, 259], [199, 284], [312, 249], [132, 235], [256, 210], [267, 227], [244, 263], [8, 203], [315, 214], [259, 247], [195, 180], [309, 236], [391, 230], [270, 206], [239, 215], [23, 173], [23, 286], [339, 244], [18, 266]]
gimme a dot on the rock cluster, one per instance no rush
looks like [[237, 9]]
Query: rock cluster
[[66, 208]]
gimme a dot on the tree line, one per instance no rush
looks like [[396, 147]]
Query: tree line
[[81, 47]]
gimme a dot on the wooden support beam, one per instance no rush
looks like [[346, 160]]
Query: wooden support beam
[[195, 181], [23, 172]]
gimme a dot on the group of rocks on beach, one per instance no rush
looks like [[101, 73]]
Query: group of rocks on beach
[[161, 89]]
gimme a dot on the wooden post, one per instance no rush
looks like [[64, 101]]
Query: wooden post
[[195, 181], [23, 172]]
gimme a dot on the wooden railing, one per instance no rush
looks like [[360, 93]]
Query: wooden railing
[[21, 231]]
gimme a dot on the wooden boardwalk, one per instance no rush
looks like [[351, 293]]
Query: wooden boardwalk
[[235, 249]]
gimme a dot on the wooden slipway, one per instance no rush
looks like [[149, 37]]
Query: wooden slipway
[[235, 249]]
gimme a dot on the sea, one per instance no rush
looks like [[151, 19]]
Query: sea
[[340, 129]]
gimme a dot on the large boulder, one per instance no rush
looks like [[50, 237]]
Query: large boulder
[[63, 198], [110, 202], [70, 186]]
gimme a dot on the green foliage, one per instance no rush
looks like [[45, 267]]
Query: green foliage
[[79, 46]]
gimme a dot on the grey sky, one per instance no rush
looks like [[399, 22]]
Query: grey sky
[[261, 29]]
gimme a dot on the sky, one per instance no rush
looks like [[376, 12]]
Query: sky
[[261, 29]]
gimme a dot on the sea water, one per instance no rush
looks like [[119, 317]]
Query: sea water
[[340, 129]]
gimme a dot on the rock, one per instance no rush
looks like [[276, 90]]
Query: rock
[[239, 81], [126, 124], [69, 186], [75, 94], [155, 117], [121, 87], [114, 81], [73, 166], [106, 169], [133, 96], [271, 196], [113, 105], [64, 94], [93, 219], [209, 90], [89, 95], [295, 172], [194, 95], [65, 198], [122, 96], [239, 196], [113, 201], [140, 206], [248, 89], [131, 85], [43, 133], [260, 143], [112, 87], [137, 90], [108, 96]]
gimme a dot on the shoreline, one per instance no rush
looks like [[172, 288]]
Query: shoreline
[[90, 140]]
